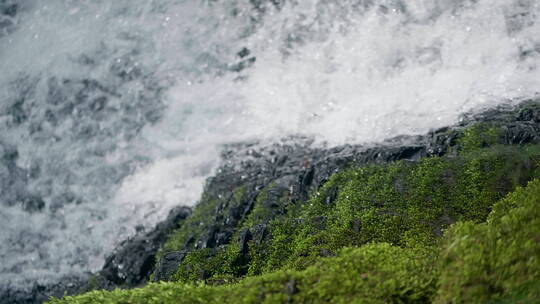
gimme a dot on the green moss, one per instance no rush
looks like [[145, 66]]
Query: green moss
[[395, 203], [192, 228], [498, 260], [266, 256], [381, 224], [407, 204], [493, 262], [195, 225], [196, 265], [92, 283], [152, 293], [479, 135], [350, 276], [216, 266], [226, 263], [272, 202], [404, 204], [260, 213], [400, 276]]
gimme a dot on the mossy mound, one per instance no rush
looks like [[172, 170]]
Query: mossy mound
[[497, 261], [398, 275]]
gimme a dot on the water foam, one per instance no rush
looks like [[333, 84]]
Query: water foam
[[155, 88]]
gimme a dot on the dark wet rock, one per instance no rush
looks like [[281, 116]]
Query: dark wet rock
[[356, 225], [331, 195], [168, 265], [319, 222], [209, 240], [528, 114], [260, 233], [290, 290], [134, 260], [245, 237]]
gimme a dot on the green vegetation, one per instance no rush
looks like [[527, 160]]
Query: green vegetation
[[193, 227], [271, 201], [462, 228], [479, 135], [400, 276], [198, 264], [493, 262], [497, 260], [404, 204]]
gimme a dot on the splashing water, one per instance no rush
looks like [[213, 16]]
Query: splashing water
[[113, 112]]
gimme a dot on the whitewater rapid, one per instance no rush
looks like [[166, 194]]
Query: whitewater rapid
[[113, 112]]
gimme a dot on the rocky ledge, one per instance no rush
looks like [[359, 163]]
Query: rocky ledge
[[257, 184]]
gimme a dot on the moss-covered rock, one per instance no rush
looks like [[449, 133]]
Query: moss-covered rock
[[277, 220], [378, 273], [407, 204], [196, 233], [493, 262], [288, 221], [268, 196], [496, 261]]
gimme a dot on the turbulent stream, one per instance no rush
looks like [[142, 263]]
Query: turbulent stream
[[114, 111]]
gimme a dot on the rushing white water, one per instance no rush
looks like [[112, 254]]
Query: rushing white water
[[112, 112]]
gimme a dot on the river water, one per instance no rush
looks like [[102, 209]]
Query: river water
[[114, 111]]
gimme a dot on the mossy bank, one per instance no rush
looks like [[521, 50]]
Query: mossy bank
[[451, 217]]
